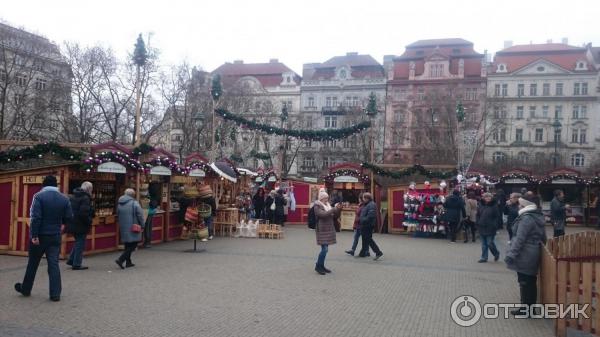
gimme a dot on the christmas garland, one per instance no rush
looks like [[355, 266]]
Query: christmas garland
[[528, 178], [38, 151], [316, 135], [353, 173], [409, 171], [166, 162], [236, 158], [117, 157], [142, 149], [261, 156]]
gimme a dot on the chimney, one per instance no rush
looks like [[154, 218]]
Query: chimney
[[238, 62], [351, 53], [508, 44], [274, 61], [565, 40]]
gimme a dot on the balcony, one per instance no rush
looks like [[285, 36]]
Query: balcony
[[333, 110], [307, 169]]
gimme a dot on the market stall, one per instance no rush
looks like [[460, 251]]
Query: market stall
[[225, 188], [305, 193], [415, 208], [576, 191], [514, 181], [345, 182]]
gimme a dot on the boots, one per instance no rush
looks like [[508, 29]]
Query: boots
[[326, 270], [320, 269]]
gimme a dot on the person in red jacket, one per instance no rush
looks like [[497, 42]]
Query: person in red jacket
[[356, 227]]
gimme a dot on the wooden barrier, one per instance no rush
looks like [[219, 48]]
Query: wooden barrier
[[570, 274]]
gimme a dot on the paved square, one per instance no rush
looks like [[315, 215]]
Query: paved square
[[251, 287]]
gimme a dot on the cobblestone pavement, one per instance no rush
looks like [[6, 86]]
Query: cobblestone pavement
[[252, 287]]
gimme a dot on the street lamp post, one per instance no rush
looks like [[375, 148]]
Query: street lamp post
[[556, 125]]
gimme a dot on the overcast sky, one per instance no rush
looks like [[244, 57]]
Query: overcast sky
[[208, 33]]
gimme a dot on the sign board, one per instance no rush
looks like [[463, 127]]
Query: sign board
[[160, 171], [36, 180], [310, 180], [272, 178], [197, 173], [516, 181], [111, 167], [564, 181], [259, 179], [345, 179]]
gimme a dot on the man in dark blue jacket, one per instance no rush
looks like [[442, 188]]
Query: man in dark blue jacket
[[366, 222], [50, 210]]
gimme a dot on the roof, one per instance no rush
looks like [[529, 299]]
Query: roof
[[361, 66], [268, 74], [540, 48], [596, 54], [350, 59], [439, 42]]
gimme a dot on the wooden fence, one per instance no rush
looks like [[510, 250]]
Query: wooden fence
[[570, 274]]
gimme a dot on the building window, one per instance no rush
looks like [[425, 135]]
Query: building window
[[579, 136], [497, 90], [577, 160], [520, 112], [330, 143], [545, 111], [311, 102], [308, 163], [559, 89], [557, 136], [546, 89], [350, 142], [521, 90], [355, 101], [19, 99], [348, 101], [471, 94], [539, 135], [436, 70], [584, 88], [334, 102], [532, 109], [328, 102], [308, 143], [40, 84], [330, 122], [577, 89], [523, 157], [533, 90], [558, 112], [504, 90], [579, 111], [499, 157], [399, 116], [421, 94], [519, 135], [21, 80], [418, 138], [502, 135], [496, 112]]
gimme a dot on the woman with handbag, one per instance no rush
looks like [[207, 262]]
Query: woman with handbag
[[131, 222]]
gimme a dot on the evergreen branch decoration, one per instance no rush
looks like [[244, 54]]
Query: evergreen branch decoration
[[142, 149], [38, 151], [124, 159], [316, 135], [260, 156], [330, 178], [409, 171]]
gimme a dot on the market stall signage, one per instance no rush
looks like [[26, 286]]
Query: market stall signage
[[197, 173], [259, 179], [272, 178], [111, 167], [36, 180], [160, 171], [310, 180], [564, 181], [345, 179], [515, 181]]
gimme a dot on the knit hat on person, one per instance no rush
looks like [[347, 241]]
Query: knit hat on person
[[323, 195], [50, 181], [527, 200]]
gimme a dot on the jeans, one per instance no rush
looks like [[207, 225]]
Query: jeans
[[49, 245], [487, 242], [208, 222], [148, 231], [76, 255], [528, 287], [367, 241], [322, 255], [129, 248], [356, 237]]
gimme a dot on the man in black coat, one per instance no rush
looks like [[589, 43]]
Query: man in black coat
[[83, 214], [559, 213], [488, 216], [512, 212], [455, 211], [367, 220]]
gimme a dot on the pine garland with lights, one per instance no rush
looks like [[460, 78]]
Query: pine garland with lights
[[316, 135], [124, 159], [39, 151], [260, 156], [142, 149], [409, 171], [353, 173], [166, 162]]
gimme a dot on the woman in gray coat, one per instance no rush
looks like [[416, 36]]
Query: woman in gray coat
[[523, 255], [129, 212], [325, 229]]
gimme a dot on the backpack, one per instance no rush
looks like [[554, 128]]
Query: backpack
[[312, 218]]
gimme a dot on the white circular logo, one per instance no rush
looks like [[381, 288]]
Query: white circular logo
[[465, 310]]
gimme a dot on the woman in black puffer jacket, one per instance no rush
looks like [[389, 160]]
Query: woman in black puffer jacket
[[488, 217]]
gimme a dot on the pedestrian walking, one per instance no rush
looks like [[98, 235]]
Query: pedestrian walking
[[258, 201], [131, 224], [488, 216], [368, 218], [471, 210], [356, 227], [152, 207], [325, 230], [49, 211], [500, 198], [455, 211], [558, 210], [524, 252], [280, 203], [80, 225], [512, 212]]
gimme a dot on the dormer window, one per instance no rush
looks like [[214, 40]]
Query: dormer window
[[541, 68], [501, 68], [343, 74], [581, 65]]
